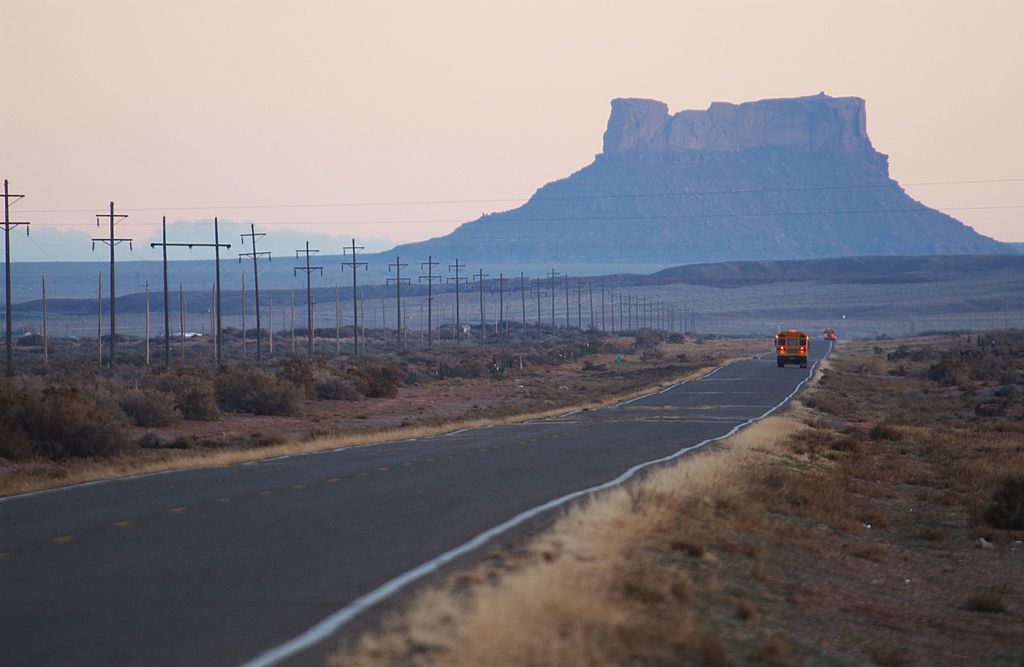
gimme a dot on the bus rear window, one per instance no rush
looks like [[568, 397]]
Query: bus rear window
[[792, 342]]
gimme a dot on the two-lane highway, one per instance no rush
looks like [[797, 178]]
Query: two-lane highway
[[220, 566]]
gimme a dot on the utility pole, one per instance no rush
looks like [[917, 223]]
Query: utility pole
[[216, 245], [430, 278], [243, 315], [458, 280], [590, 293], [112, 243], [309, 293], [552, 274], [99, 319], [566, 301], [147, 316], [501, 302], [480, 275], [8, 225], [603, 328], [397, 281], [181, 316], [337, 319], [354, 265], [522, 294], [46, 338], [256, 284], [579, 305]]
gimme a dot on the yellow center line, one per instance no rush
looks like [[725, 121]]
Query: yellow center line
[[225, 499], [333, 480], [63, 539], [123, 523], [177, 510], [265, 493], [362, 474], [298, 487], [383, 469], [4, 555]]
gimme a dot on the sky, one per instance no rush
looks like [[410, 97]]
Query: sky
[[397, 121]]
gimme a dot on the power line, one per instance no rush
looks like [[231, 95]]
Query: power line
[[677, 216], [428, 202]]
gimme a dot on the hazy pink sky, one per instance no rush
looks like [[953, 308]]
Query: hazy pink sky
[[198, 108]]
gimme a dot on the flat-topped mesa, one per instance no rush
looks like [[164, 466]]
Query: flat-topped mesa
[[805, 124]]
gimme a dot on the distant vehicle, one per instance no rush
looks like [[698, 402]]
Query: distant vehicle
[[791, 347], [829, 334]]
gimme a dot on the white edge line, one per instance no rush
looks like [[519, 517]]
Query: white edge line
[[335, 621]]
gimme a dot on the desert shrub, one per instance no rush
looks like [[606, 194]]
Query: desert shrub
[[649, 338], [337, 388], [301, 373], [384, 380], [194, 395], [149, 407], [256, 391], [65, 421], [1006, 510]]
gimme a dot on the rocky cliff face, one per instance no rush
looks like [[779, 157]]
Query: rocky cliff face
[[774, 179], [805, 124]]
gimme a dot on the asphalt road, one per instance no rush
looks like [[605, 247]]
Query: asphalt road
[[218, 566]]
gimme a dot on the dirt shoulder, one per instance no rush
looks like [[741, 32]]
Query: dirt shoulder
[[878, 521], [428, 406]]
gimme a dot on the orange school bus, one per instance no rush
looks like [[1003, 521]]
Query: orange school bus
[[791, 348]]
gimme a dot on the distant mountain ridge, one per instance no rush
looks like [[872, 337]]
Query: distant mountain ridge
[[774, 179]]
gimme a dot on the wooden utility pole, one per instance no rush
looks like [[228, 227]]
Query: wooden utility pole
[[293, 321], [590, 293], [398, 280], [46, 340], [567, 301], [270, 303], [8, 226], [308, 270], [147, 322], [354, 265], [253, 236], [458, 280], [243, 315], [430, 278], [522, 296], [99, 319], [181, 319], [337, 319], [480, 275], [112, 243]]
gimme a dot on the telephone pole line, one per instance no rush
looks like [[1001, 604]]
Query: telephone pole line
[[354, 265], [480, 275], [398, 280], [216, 245], [430, 277], [458, 280], [256, 284], [8, 226], [112, 243], [309, 293]]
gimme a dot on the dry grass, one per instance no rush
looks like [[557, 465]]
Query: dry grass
[[841, 531], [31, 476]]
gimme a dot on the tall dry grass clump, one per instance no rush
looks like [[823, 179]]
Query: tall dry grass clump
[[598, 589]]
